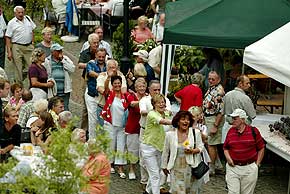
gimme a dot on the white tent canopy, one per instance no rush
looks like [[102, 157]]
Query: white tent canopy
[[271, 55]]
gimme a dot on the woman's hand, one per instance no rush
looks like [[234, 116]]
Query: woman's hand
[[188, 150], [49, 84], [166, 172]]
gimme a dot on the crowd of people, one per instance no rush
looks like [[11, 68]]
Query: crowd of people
[[130, 107]]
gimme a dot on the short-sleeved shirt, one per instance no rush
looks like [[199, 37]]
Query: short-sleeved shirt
[[10, 137], [141, 36], [20, 32], [190, 95], [57, 73], [132, 125], [213, 102], [154, 59], [154, 133], [92, 81], [38, 72], [44, 48], [243, 147]]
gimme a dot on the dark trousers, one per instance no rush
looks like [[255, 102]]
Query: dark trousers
[[2, 53]]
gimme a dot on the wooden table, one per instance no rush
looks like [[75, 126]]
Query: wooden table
[[272, 101]]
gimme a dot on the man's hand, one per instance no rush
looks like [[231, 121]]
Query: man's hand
[[166, 172], [9, 55], [230, 162], [213, 130]]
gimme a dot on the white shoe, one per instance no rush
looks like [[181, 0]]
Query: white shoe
[[122, 175], [113, 171], [132, 176]]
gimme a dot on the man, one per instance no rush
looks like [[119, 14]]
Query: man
[[4, 91], [244, 150], [102, 44], [154, 60], [213, 105], [19, 41], [59, 67], [84, 58], [26, 109], [94, 68], [3, 27], [145, 107], [237, 98], [46, 43]]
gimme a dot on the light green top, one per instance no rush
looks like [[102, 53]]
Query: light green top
[[154, 133]]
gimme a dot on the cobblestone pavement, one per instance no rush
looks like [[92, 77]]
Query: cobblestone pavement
[[270, 180]]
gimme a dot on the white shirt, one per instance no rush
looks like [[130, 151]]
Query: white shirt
[[145, 105], [116, 6], [2, 26], [154, 59], [158, 32], [20, 32], [102, 44]]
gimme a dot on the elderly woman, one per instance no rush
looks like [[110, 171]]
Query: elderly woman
[[132, 128], [11, 133], [97, 170], [153, 141], [190, 95], [141, 32], [38, 75], [181, 152], [40, 133], [46, 43], [115, 116]]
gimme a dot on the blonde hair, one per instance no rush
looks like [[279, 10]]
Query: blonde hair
[[140, 80], [139, 70], [92, 36], [143, 19], [40, 105], [156, 98], [112, 61], [75, 136], [195, 110], [47, 30], [36, 54]]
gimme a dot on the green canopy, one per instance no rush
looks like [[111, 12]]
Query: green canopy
[[223, 23]]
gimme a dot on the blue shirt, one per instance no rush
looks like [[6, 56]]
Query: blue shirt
[[57, 72], [92, 81]]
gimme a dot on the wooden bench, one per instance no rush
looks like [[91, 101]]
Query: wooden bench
[[272, 101]]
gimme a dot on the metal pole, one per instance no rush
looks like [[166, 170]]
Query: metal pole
[[125, 61]]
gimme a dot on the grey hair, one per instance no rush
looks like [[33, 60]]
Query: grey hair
[[140, 80], [112, 61], [18, 7], [92, 36], [197, 78], [40, 105], [75, 136], [65, 116], [36, 54]]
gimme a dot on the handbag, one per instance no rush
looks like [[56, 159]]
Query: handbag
[[202, 167]]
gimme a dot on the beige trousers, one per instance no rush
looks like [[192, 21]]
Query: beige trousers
[[22, 59], [241, 179]]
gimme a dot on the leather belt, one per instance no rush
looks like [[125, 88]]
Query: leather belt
[[22, 44], [242, 163]]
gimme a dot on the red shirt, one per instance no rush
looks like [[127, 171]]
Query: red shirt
[[133, 126], [190, 95], [243, 147]]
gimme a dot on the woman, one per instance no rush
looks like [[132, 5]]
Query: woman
[[190, 95], [38, 75], [141, 32], [11, 133], [115, 116], [153, 141], [16, 98], [181, 152], [97, 170], [132, 128], [46, 43], [40, 133]]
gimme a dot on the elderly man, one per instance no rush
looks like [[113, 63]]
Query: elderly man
[[213, 105], [59, 67], [3, 27], [64, 119], [102, 43], [46, 43], [237, 98], [154, 60], [26, 109], [94, 68], [19, 41], [244, 151]]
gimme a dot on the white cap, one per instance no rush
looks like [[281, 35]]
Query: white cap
[[30, 121], [239, 113]]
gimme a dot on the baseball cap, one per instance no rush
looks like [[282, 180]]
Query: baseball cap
[[56, 47], [239, 113], [142, 54]]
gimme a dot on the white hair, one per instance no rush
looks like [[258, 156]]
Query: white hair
[[92, 36], [65, 116], [75, 136], [18, 7], [112, 61]]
